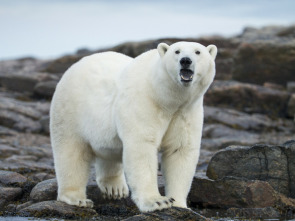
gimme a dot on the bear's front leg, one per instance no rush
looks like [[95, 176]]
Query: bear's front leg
[[178, 167], [141, 169]]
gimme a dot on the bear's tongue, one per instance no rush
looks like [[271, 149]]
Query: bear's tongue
[[186, 75]]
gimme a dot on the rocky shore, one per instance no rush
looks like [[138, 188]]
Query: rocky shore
[[246, 168]]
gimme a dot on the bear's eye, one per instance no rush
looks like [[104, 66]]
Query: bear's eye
[[198, 52], [177, 52]]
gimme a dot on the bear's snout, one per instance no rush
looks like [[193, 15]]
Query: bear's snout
[[185, 62]]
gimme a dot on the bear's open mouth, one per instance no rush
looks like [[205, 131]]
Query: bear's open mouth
[[186, 75]]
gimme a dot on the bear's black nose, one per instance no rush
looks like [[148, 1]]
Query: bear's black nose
[[185, 62]]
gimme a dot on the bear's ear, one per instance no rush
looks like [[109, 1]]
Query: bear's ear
[[212, 50], [162, 49]]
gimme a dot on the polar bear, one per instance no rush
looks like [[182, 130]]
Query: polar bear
[[119, 112]]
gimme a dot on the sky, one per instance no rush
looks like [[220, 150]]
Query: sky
[[52, 28]]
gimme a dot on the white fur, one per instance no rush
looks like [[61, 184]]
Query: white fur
[[119, 112]]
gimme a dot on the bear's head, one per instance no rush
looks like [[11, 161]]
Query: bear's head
[[188, 62]]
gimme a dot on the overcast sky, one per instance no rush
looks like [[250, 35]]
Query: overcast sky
[[51, 28]]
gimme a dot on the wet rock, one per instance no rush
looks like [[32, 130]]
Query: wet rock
[[264, 61], [253, 213], [174, 213], [291, 106], [248, 98], [56, 209], [12, 178], [45, 89], [45, 190]]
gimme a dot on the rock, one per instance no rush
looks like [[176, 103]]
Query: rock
[[289, 149], [291, 106], [45, 190], [174, 213], [253, 213], [12, 178], [264, 61], [56, 209], [237, 120], [248, 98], [274, 164], [39, 177], [24, 205], [18, 83], [10, 193], [291, 86], [44, 121], [45, 89], [231, 192], [21, 115], [18, 122], [259, 162], [23, 83], [7, 151], [273, 86]]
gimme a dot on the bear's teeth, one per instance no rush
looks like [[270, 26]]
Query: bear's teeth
[[191, 77]]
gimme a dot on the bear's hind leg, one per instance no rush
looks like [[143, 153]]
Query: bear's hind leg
[[72, 164], [110, 178]]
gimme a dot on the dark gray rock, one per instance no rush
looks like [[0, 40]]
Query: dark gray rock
[[259, 162], [24, 205], [12, 178], [238, 120], [56, 209], [7, 151], [254, 213], [291, 86], [273, 164], [265, 62], [10, 193], [291, 106], [45, 89], [232, 192], [45, 190], [18, 83], [44, 121], [248, 98], [174, 213]]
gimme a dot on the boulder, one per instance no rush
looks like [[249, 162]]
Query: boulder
[[264, 62], [56, 209], [10, 193], [247, 98], [259, 162], [237, 120], [12, 178], [45, 89], [237, 192], [45, 190]]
